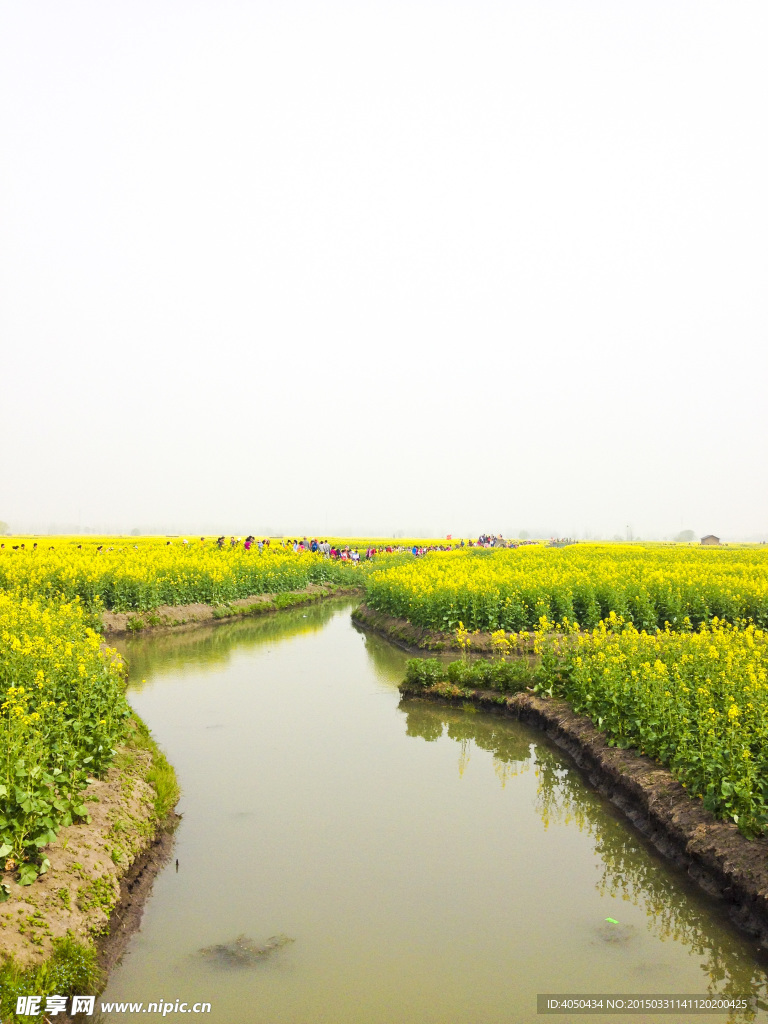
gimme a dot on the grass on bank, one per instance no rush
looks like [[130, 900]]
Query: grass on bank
[[72, 969], [161, 775], [277, 603], [504, 676]]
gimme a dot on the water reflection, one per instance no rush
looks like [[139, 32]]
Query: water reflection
[[388, 660], [211, 647], [511, 748], [675, 910], [629, 869]]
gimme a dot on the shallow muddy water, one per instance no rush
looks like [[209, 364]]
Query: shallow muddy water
[[429, 864]]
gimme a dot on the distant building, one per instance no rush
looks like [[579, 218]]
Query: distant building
[[710, 539]]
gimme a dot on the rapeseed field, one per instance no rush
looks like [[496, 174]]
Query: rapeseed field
[[123, 576], [694, 700], [664, 648], [512, 589], [62, 712]]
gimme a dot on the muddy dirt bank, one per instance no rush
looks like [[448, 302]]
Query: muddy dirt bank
[[415, 638], [100, 870], [135, 888], [191, 615], [714, 853]]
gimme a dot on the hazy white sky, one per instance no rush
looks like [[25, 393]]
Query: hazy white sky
[[364, 267]]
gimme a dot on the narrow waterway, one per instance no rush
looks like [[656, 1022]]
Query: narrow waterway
[[431, 865]]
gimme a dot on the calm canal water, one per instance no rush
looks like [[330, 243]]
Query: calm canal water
[[432, 865]]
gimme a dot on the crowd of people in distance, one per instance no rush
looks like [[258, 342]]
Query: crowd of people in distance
[[344, 553], [314, 546], [323, 547], [490, 540], [23, 547]]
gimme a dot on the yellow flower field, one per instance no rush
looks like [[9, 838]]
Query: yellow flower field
[[648, 585], [125, 576], [62, 711], [695, 701]]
